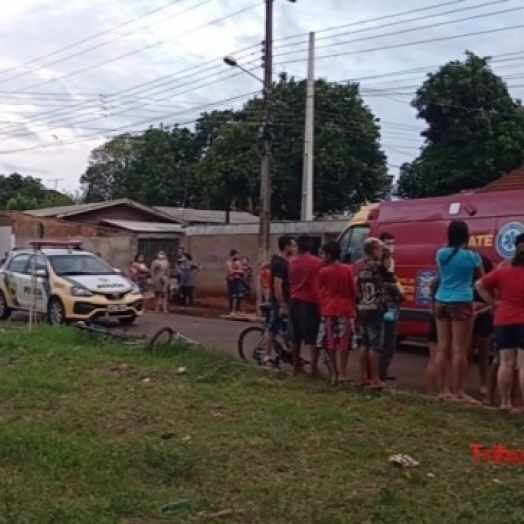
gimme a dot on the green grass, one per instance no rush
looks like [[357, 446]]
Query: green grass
[[82, 421]]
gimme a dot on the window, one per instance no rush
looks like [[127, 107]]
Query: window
[[41, 263], [84, 264], [356, 247], [18, 264], [352, 243]]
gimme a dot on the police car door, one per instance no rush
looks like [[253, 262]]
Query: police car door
[[15, 274], [39, 282]]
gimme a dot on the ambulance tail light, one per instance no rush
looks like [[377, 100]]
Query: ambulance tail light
[[373, 214]]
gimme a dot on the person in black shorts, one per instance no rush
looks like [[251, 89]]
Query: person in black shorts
[[483, 332]]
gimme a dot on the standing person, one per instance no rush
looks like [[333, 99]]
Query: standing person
[[370, 289], [279, 294], [161, 276], [139, 272], [247, 280], [389, 243], [187, 271], [457, 267], [393, 297], [304, 316], [483, 333], [337, 304], [504, 288], [234, 278], [265, 281]]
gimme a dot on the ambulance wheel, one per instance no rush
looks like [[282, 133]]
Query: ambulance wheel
[[56, 312], [5, 310]]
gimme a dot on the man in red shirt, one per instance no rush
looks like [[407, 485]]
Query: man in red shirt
[[304, 311], [337, 306]]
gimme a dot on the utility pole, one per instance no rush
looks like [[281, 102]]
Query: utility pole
[[307, 173], [56, 180], [265, 170]]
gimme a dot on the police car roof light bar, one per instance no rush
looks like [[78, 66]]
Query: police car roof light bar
[[65, 244]]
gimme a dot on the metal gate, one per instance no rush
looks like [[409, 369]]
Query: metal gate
[[149, 247]]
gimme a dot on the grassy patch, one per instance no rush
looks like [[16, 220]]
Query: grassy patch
[[92, 432]]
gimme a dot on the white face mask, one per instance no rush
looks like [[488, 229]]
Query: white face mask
[[390, 247]]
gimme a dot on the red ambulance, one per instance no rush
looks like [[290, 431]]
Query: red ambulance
[[420, 226]]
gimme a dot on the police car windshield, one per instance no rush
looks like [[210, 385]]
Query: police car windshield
[[71, 264]]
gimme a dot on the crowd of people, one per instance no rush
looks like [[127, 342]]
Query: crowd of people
[[157, 278], [322, 301], [477, 309]]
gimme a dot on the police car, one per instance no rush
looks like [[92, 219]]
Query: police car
[[65, 283]]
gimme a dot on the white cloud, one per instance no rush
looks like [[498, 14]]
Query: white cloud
[[170, 52]]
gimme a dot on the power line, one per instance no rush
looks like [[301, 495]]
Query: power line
[[408, 44], [137, 51], [103, 44], [399, 22], [88, 39]]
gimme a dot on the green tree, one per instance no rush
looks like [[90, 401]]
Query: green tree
[[19, 193], [350, 167], [218, 164], [474, 134]]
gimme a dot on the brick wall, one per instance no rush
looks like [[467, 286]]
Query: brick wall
[[117, 247], [210, 246]]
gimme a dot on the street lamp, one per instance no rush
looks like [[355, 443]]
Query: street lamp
[[231, 61]]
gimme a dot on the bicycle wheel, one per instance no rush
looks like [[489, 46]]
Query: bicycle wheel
[[162, 337], [251, 351]]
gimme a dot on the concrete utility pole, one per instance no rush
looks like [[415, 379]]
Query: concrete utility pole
[[307, 174]]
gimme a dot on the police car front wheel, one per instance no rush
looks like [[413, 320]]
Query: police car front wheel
[[56, 312], [5, 311]]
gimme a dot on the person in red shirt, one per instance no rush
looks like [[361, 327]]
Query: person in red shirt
[[337, 307], [304, 309], [504, 288]]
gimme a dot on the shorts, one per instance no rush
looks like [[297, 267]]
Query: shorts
[[372, 329], [304, 320], [511, 336], [483, 326], [277, 324], [433, 331], [335, 333], [458, 311]]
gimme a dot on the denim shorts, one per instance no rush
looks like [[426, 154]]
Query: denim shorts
[[277, 324], [509, 337], [372, 329]]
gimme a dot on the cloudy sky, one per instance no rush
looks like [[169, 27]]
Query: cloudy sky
[[75, 72]]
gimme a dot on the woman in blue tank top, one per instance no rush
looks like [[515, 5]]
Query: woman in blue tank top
[[458, 267]]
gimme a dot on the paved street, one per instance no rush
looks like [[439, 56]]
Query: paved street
[[408, 365]]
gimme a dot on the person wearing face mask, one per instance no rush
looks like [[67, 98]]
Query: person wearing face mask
[[389, 244], [161, 276]]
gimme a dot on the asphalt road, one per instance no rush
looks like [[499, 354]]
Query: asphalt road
[[408, 365]]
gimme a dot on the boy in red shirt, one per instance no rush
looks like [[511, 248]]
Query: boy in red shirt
[[304, 310], [337, 306]]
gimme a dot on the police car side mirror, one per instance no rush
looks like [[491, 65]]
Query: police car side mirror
[[117, 271], [42, 273]]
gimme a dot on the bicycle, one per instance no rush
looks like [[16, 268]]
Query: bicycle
[[164, 336], [282, 353]]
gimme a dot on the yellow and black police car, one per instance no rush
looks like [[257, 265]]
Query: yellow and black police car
[[67, 284]]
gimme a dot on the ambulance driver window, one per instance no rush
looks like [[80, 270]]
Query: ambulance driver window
[[356, 246], [352, 243]]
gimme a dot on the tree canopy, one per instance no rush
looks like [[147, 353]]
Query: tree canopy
[[19, 193], [217, 164], [474, 134]]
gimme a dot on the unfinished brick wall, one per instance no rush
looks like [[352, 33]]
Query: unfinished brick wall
[[116, 247]]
